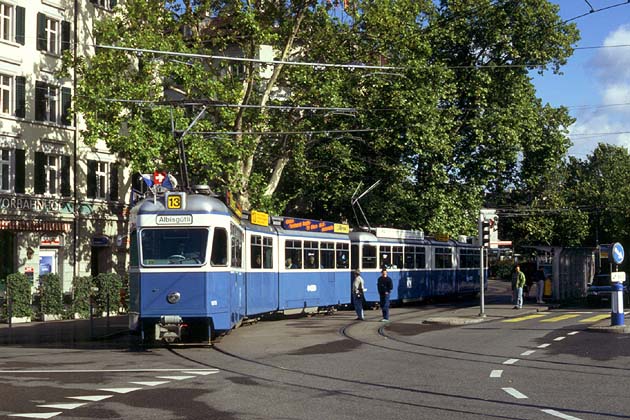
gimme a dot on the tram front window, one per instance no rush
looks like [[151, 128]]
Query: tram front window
[[169, 247]]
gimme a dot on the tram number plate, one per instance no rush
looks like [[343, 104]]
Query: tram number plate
[[174, 202]]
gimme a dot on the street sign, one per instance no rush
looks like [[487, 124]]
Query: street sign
[[617, 253], [618, 276]]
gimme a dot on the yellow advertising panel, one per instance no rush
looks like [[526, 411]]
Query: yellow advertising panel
[[259, 218], [341, 228]]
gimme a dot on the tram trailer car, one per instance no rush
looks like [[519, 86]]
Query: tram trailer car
[[420, 268], [197, 271]]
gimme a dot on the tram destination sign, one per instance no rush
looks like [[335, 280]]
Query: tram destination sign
[[179, 219]]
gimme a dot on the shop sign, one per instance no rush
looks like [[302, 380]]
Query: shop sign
[[30, 204], [51, 240], [100, 241]]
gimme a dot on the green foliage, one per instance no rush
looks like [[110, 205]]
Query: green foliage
[[19, 295], [107, 297], [503, 269], [81, 294], [50, 290]]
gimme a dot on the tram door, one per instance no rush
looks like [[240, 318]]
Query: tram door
[[238, 279]]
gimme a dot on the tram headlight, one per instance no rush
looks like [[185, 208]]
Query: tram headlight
[[173, 297]]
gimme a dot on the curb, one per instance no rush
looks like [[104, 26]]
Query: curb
[[614, 329]]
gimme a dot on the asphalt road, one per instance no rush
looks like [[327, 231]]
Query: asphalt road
[[332, 367]]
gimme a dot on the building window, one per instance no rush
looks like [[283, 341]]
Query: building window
[[106, 4], [46, 102], [52, 174], [5, 169], [102, 180], [12, 23], [5, 94], [53, 36]]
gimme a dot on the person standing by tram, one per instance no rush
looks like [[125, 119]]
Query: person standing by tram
[[385, 286], [358, 294]]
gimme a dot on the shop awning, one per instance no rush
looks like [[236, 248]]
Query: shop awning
[[35, 225]]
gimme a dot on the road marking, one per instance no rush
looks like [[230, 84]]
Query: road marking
[[542, 346], [150, 383], [37, 415], [202, 372], [573, 333], [92, 397], [496, 373], [561, 415], [120, 390], [510, 361], [595, 318], [528, 352], [177, 378], [524, 318], [560, 318], [516, 394], [62, 406], [197, 371], [559, 338]]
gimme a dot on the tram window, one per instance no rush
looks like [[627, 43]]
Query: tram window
[[397, 257], [421, 257], [267, 252], [410, 257], [328, 254], [158, 248], [293, 254], [354, 249], [369, 256], [469, 258], [219, 247], [311, 255], [443, 258], [133, 249], [237, 246], [342, 256], [385, 256], [256, 251]]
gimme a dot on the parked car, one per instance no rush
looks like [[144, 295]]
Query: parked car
[[598, 291]]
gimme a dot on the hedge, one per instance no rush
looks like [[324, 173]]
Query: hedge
[[51, 294]]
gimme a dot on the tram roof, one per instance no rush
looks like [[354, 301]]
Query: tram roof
[[196, 203]]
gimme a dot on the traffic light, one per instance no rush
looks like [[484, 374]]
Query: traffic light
[[485, 233]]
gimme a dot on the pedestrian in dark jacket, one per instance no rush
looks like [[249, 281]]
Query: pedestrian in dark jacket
[[384, 285]]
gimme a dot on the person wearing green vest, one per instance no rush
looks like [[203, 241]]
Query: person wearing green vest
[[520, 283]]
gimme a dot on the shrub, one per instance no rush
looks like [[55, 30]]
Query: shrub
[[109, 285], [19, 294], [503, 269], [81, 292], [51, 294]]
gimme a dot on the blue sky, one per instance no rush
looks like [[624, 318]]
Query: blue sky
[[596, 82]]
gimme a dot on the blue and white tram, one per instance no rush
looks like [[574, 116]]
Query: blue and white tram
[[420, 268], [186, 276]]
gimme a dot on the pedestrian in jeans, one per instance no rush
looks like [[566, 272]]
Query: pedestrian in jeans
[[384, 285], [520, 283], [358, 297]]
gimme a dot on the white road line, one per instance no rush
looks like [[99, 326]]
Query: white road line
[[528, 352], [37, 415], [120, 390], [177, 378], [496, 373], [573, 332], [196, 371], [92, 397], [63, 406], [559, 338], [513, 392], [510, 361], [150, 383], [542, 346], [561, 415]]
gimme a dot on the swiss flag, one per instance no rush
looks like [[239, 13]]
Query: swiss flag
[[158, 177]]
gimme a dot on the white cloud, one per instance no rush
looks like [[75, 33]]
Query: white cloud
[[590, 130], [617, 93], [613, 63]]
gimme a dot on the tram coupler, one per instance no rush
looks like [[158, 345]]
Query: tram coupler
[[169, 329]]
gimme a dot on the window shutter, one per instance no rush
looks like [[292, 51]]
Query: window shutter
[[40, 173], [66, 102], [91, 179], [65, 36], [113, 182], [40, 101], [19, 24], [65, 176], [42, 42], [20, 97], [20, 171]]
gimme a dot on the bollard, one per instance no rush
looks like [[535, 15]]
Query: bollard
[[616, 316]]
